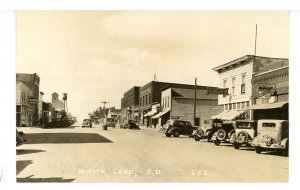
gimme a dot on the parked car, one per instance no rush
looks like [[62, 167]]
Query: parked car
[[245, 131], [225, 133], [87, 123], [177, 127], [209, 127], [109, 122], [130, 124], [272, 135], [20, 139]]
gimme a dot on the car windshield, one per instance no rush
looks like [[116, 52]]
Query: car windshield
[[110, 119]]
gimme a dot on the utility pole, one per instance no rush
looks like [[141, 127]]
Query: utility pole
[[195, 100], [104, 103]]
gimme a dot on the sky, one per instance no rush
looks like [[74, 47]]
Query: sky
[[97, 56]]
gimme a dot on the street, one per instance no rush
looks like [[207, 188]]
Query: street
[[121, 155]]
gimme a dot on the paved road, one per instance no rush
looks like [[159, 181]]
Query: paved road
[[119, 155]]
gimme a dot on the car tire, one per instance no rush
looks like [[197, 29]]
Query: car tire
[[236, 145], [285, 151], [258, 150], [197, 138], [217, 142], [176, 133], [168, 135], [221, 134], [210, 135]]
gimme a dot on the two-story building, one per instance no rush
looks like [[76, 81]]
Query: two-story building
[[24, 105], [178, 103], [32, 81], [238, 76], [130, 104]]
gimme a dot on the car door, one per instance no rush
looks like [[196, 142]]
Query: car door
[[181, 127]]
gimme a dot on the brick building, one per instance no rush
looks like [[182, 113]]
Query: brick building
[[24, 108], [150, 98], [238, 76], [178, 103], [130, 104], [32, 81]]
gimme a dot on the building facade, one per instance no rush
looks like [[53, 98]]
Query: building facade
[[24, 108], [32, 81], [178, 103], [130, 104], [238, 77], [57, 106]]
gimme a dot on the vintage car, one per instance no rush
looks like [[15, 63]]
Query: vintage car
[[209, 127], [224, 133], [130, 124], [245, 131], [109, 122], [272, 135], [177, 127], [20, 139], [87, 123]]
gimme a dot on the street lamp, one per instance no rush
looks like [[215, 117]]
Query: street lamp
[[104, 103]]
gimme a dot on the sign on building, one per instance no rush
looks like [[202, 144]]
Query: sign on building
[[217, 91]]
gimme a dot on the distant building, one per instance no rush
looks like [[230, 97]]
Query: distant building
[[113, 112], [40, 106], [25, 107], [130, 104], [32, 81], [178, 103], [57, 106], [150, 98], [238, 76]]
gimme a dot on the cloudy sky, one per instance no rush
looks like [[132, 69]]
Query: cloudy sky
[[99, 55]]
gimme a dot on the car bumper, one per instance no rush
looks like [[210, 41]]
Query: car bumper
[[265, 145]]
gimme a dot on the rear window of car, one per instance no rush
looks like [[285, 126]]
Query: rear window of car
[[188, 123], [245, 125], [269, 125]]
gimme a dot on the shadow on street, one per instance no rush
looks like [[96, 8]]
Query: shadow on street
[[22, 164], [47, 180], [59, 138], [28, 151]]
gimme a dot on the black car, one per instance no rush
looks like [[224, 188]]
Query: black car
[[177, 127], [130, 124]]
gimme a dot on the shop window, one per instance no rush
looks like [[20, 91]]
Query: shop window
[[226, 107], [238, 105], [197, 121], [234, 106], [247, 104]]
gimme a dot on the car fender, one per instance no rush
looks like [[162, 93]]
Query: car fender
[[255, 141], [284, 142], [172, 130]]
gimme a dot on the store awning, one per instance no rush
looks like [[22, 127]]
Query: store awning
[[228, 115], [150, 113], [160, 114], [267, 106]]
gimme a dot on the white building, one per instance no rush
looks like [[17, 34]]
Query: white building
[[237, 76]]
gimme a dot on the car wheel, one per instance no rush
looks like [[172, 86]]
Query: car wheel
[[236, 145], [197, 138], [285, 151], [221, 134], [168, 135], [258, 150], [217, 142], [209, 137], [176, 133]]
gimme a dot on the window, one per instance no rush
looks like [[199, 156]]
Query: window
[[146, 99], [242, 105], [269, 125], [207, 121], [247, 104], [150, 98], [140, 101], [234, 106], [143, 100], [226, 107], [168, 103], [233, 86], [197, 121], [224, 86], [238, 105], [243, 86]]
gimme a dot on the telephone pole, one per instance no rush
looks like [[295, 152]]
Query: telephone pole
[[195, 100]]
